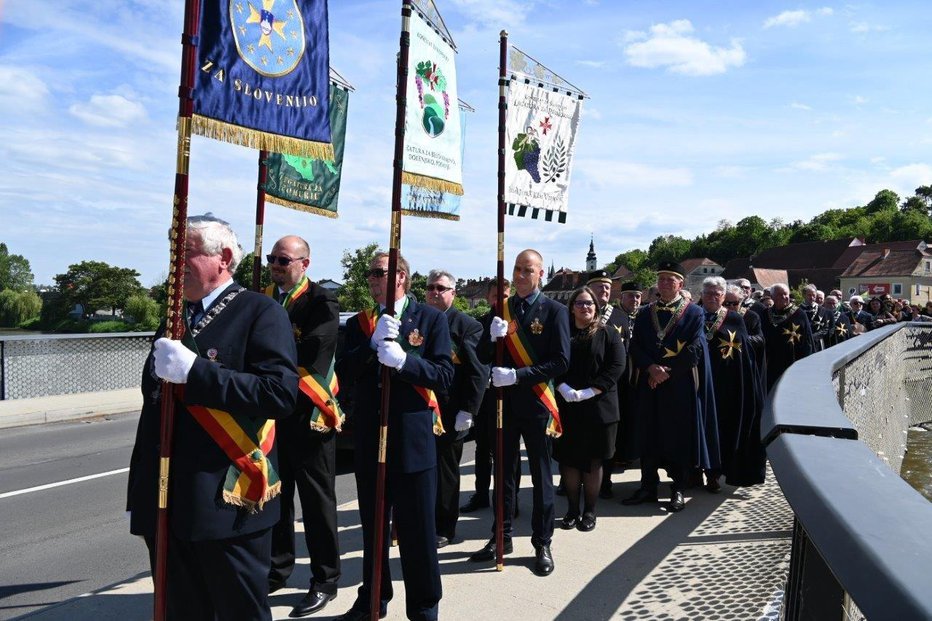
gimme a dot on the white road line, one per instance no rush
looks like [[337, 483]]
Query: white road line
[[39, 488]]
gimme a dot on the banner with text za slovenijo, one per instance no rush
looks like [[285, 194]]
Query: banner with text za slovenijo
[[310, 184], [262, 79]]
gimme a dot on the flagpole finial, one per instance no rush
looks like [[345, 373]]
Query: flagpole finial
[[503, 33]]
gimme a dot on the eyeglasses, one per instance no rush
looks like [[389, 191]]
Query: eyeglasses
[[438, 288], [283, 261], [378, 272], [583, 303], [731, 303]]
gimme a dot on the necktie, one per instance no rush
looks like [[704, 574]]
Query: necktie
[[195, 313], [522, 308]]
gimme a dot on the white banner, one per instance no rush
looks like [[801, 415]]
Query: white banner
[[432, 152], [540, 137]]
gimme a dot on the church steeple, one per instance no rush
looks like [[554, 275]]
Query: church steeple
[[591, 262]]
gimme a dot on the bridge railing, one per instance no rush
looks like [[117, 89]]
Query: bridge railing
[[61, 364], [835, 431]]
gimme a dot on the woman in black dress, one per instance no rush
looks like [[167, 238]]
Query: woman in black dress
[[588, 404]]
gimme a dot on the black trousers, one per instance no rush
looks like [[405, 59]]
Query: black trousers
[[650, 478], [307, 460], [449, 453], [484, 432], [410, 498], [218, 580], [524, 421]]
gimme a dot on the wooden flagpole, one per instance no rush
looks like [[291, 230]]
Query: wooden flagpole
[[378, 540], [174, 323], [500, 302], [260, 220]]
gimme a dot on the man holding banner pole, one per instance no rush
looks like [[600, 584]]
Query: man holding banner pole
[[415, 346], [536, 332]]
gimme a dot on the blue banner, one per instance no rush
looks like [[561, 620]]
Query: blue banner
[[263, 75]]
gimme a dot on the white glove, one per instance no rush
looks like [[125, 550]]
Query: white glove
[[391, 354], [463, 421], [387, 327], [585, 393], [504, 376], [565, 390], [498, 329], [173, 361]]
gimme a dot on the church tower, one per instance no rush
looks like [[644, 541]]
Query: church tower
[[590, 258]]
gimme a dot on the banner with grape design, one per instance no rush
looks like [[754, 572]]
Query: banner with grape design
[[432, 141], [540, 137]]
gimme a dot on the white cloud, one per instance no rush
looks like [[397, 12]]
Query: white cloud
[[858, 100], [800, 106], [595, 64], [607, 173], [817, 162], [670, 46], [591, 113], [791, 19], [494, 12], [108, 111], [912, 175], [864, 27], [22, 88]]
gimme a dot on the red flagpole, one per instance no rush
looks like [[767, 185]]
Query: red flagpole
[[174, 324], [500, 302], [260, 220], [394, 245]]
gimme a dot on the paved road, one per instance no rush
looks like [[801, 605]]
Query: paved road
[[64, 541]]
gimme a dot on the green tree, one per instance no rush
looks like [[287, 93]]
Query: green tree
[[354, 294], [668, 248], [143, 310], [632, 259], [95, 284], [15, 273], [18, 307], [419, 286], [884, 200], [243, 273]]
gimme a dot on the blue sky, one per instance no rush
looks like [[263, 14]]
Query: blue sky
[[699, 111]]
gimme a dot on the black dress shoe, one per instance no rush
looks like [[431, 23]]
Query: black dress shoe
[[475, 502], [677, 502], [358, 615], [543, 564], [712, 485], [587, 522], [569, 521], [442, 541], [487, 553], [311, 603], [640, 496]]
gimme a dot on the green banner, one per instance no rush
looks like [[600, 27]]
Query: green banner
[[308, 184]]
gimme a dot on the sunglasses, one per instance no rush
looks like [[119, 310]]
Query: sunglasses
[[583, 303], [731, 303], [438, 288], [378, 272], [283, 261]]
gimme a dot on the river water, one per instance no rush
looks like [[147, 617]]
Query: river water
[[917, 464]]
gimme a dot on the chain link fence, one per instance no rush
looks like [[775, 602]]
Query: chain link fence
[[51, 364]]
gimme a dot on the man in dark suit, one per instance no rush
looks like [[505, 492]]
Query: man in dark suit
[[415, 344], [222, 494], [819, 318], [306, 441], [458, 405], [537, 337]]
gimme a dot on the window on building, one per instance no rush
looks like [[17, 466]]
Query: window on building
[[918, 291], [928, 266], [705, 270], [897, 288]]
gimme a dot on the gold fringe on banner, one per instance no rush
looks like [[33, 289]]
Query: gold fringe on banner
[[300, 206], [254, 139], [440, 215], [432, 183]]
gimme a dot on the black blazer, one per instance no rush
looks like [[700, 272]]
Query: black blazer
[[596, 362], [551, 345], [470, 377], [252, 373], [411, 444]]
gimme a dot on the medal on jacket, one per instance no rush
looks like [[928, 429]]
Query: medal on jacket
[[536, 326], [415, 338]]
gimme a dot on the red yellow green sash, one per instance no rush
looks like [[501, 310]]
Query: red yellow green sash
[[322, 391], [251, 480], [367, 320], [523, 355]]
